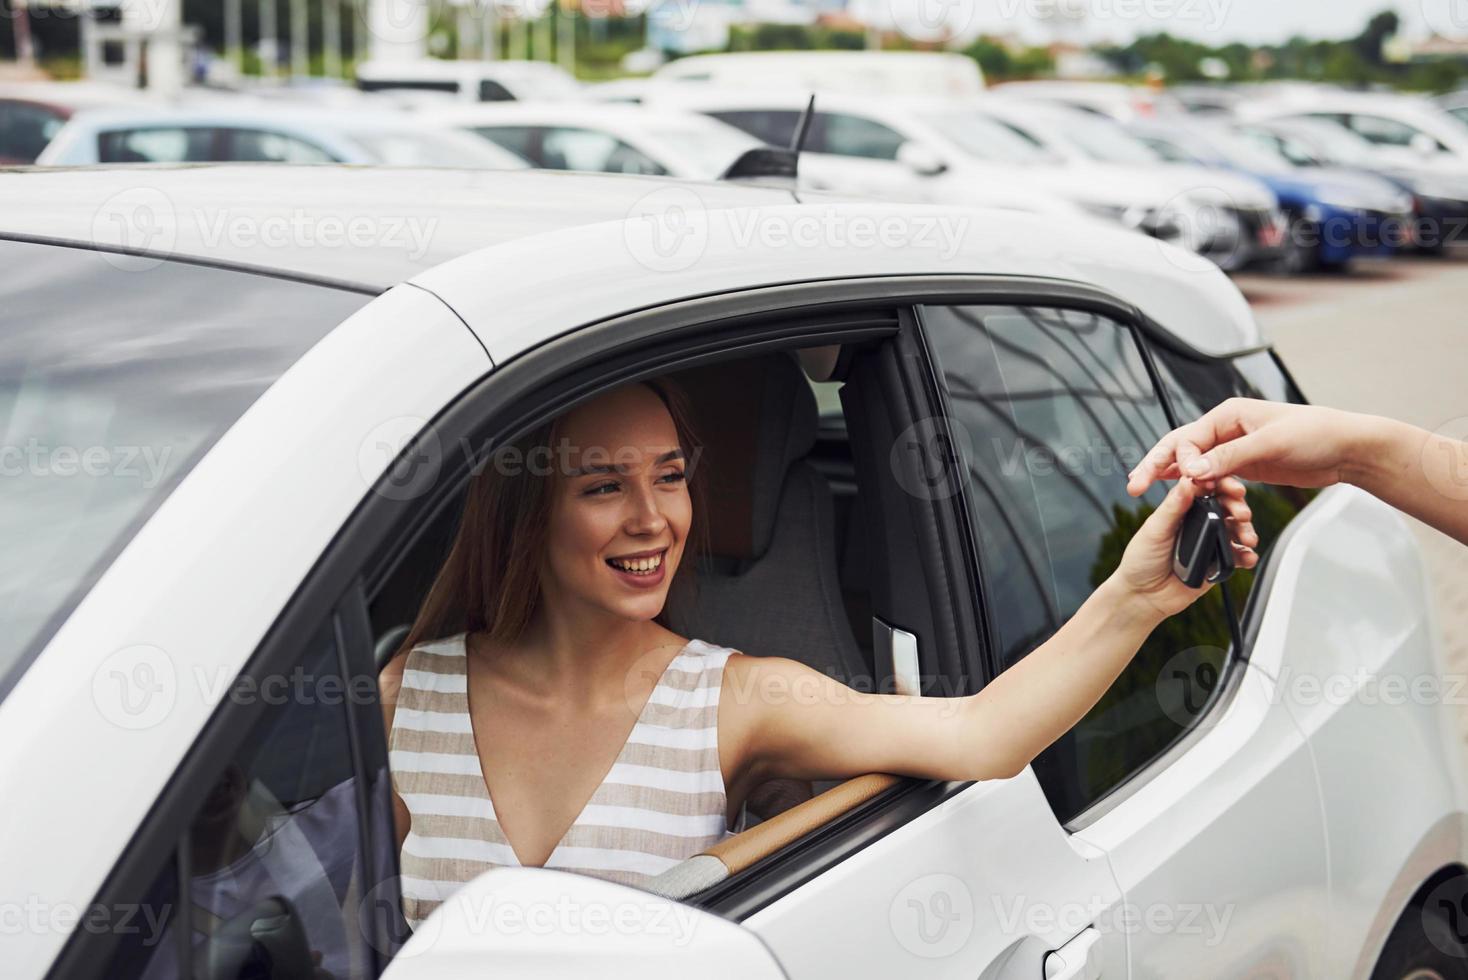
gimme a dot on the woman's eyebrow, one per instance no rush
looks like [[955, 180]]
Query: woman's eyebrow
[[666, 457]]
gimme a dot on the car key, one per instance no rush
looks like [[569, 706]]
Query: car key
[[1203, 551]]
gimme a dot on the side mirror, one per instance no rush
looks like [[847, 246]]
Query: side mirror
[[267, 939], [553, 925], [921, 159], [1424, 145]]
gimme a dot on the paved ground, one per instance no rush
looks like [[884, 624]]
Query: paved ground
[[1391, 338]]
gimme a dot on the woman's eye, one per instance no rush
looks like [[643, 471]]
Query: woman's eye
[[674, 477], [599, 489]]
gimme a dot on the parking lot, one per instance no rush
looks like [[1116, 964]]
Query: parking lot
[[1388, 339]]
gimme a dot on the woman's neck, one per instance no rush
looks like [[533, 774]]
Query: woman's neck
[[587, 657]]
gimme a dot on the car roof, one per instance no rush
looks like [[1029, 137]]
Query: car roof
[[249, 112], [611, 117], [461, 210], [494, 241]]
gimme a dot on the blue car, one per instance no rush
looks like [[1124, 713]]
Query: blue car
[[1334, 215], [1439, 199]]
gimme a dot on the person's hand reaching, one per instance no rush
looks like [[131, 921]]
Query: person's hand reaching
[[1146, 571]]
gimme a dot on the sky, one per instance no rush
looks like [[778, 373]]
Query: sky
[[1210, 21]]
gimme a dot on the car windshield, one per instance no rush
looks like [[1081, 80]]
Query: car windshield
[[710, 148], [426, 148], [118, 374], [1334, 144], [985, 137], [1240, 151], [1103, 140]]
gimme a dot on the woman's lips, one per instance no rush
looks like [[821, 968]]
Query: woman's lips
[[646, 581]]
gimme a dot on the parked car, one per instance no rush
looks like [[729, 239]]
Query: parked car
[[468, 80], [1114, 100], [1439, 200], [244, 501], [1407, 130], [1237, 222], [934, 74], [1335, 216], [32, 113], [269, 133], [604, 138], [953, 150]]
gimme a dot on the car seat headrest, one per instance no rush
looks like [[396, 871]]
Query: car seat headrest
[[753, 419]]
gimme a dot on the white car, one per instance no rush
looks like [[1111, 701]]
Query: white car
[[603, 138], [469, 80], [931, 74], [1232, 218], [1114, 100], [955, 151], [239, 131], [1406, 130], [233, 462]]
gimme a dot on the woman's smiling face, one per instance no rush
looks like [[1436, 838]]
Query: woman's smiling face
[[620, 508]]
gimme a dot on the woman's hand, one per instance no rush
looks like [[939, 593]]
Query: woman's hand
[[1146, 572]]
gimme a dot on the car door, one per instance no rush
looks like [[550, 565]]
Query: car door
[[1190, 775], [965, 879], [942, 879]]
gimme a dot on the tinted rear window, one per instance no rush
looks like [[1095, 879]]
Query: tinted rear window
[[117, 374]]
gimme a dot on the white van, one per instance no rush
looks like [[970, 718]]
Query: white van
[[932, 73], [470, 81]]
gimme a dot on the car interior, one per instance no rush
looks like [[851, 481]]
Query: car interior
[[788, 538]]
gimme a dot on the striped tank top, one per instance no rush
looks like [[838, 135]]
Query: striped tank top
[[661, 802]]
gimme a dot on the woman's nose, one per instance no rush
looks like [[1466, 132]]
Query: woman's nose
[[646, 516]]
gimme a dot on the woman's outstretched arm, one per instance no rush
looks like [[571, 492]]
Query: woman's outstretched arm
[[779, 718]]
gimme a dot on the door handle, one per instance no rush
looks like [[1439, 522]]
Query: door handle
[[1079, 959]]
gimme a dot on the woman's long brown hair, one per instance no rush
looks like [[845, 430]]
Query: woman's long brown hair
[[490, 582]]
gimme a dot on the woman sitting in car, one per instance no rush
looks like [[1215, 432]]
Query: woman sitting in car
[[543, 713]]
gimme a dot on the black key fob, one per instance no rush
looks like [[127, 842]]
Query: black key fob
[[1203, 551]]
